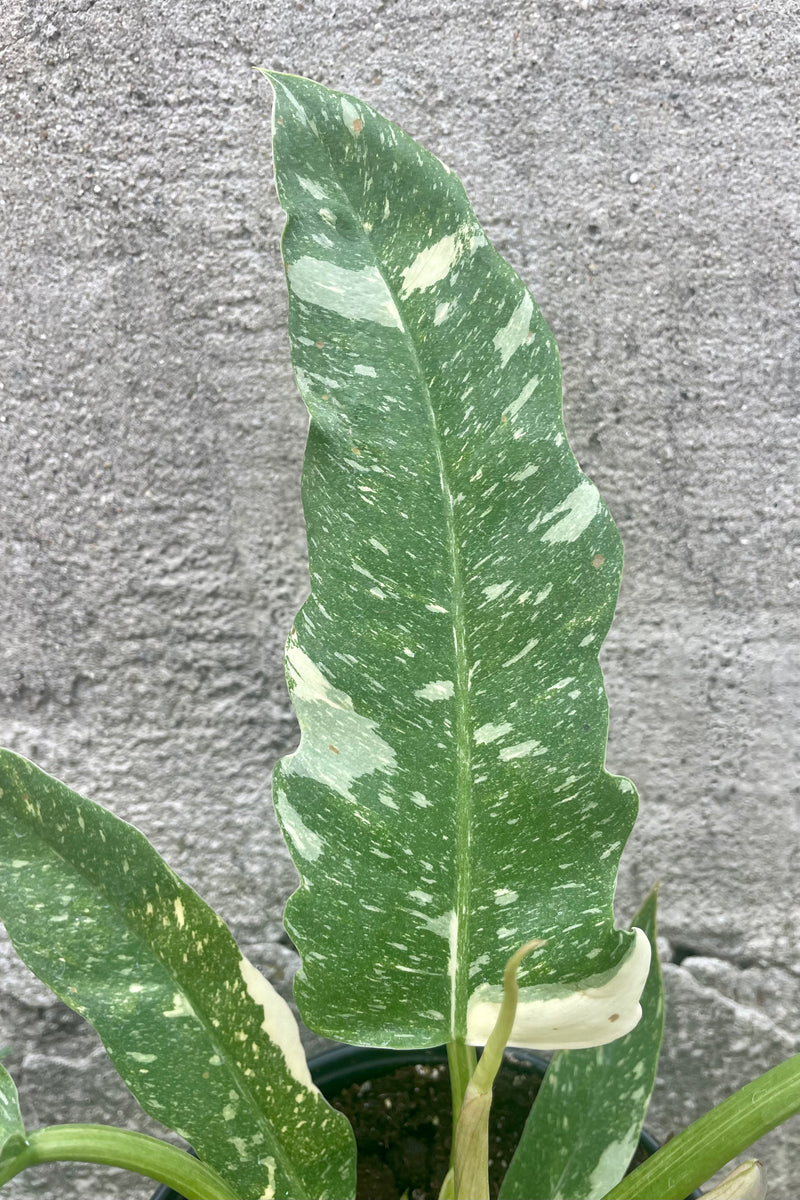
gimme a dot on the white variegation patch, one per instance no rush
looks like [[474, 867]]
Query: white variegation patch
[[490, 732], [304, 840], [515, 332], [580, 507], [342, 746], [432, 264], [359, 295], [611, 1163], [589, 1015], [437, 689]]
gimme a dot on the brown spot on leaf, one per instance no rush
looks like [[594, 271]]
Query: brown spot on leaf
[[325, 396], [598, 561], [319, 345], [333, 748], [358, 125], [356, 450], [614, 1017]]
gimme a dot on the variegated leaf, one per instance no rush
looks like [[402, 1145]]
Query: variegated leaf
[[584, 1126], [205, 1044], [448, 800], [12, 1130], [747, 1182]]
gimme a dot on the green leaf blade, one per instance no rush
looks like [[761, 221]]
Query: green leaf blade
[[585, 1123], [198, 1035], [448, 800]]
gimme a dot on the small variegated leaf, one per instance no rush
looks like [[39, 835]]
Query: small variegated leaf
[[448, 800], [584, 1126], [12, 1130], [205, 1044]]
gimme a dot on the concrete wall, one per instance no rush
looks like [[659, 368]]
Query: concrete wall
[[636, 162]]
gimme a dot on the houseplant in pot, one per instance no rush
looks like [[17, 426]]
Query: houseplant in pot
[[456, 834]]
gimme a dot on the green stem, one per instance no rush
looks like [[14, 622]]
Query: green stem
[[120, 1148], [692, 1157], [461, 1060]]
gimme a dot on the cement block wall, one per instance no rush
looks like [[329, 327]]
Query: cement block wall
[[637, 163]]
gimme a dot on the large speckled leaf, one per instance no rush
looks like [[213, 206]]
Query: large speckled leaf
[[12, 1130], [585, 1123], [202, 1040], [448, 800]]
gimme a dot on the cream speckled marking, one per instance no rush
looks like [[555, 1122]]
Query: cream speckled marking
[[522, 398], [351, 116], [312, 188], [526, 649], [575, 1020], [180, 916], [300, 112], [278, 1024], [269, 1191], [522, 750], [180, 1007], [358, 295]]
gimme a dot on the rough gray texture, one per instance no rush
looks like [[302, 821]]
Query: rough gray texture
[[636, 161]]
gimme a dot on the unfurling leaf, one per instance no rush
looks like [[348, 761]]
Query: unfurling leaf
[[471, 1137]]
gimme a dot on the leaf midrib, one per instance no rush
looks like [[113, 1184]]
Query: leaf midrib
[[463, 739]]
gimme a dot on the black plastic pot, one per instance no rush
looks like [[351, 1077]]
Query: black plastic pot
[[337, 1069]]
